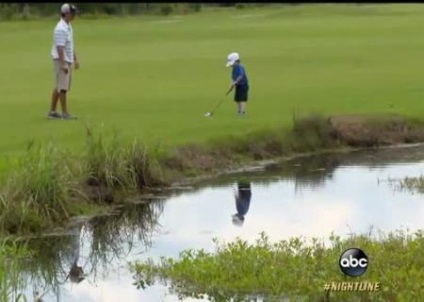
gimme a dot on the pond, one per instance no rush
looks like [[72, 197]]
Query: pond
[[311, 196]]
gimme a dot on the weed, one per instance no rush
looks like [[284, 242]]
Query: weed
[[291, 268]]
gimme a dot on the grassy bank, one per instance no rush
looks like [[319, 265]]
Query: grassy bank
[[48, 185], [295, 268]]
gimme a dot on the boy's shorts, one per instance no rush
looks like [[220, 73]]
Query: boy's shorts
[[241, 94]]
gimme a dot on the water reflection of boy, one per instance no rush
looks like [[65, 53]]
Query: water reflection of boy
[[243, 197]]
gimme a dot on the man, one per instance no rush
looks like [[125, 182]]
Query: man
[[240, 82], [72, 254], [64, 58], [242, 202]]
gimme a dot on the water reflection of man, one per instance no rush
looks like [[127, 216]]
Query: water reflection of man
[[76, 273], [243, 196]]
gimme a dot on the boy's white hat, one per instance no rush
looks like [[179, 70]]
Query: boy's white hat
[[232, 58], [237, 220]]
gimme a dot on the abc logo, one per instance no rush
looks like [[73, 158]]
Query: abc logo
[[353, 262]]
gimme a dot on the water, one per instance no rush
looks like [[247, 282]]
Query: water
[[311, 197]]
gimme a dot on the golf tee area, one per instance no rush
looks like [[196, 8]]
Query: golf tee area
[[321, 76]]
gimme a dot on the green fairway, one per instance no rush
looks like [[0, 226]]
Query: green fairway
[[155, 77]]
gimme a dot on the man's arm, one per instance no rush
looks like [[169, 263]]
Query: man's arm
[[76, 62], [61, 53], [60, 40]]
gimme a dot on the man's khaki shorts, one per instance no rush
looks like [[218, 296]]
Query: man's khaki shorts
[[62, 79]]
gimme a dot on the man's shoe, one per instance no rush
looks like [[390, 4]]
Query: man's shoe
[[53, 115], [67, 116]]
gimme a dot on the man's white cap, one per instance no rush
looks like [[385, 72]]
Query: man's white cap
[[68, 8], [232, 58]]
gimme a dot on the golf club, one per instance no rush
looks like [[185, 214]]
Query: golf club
[[210, 113]]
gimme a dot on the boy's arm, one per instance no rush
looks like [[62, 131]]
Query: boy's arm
[[239, 77]]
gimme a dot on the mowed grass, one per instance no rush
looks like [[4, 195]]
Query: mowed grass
[[155, 77]]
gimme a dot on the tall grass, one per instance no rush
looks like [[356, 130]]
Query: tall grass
[[104, 162], [115, 164], [49, 186], [38, 192]]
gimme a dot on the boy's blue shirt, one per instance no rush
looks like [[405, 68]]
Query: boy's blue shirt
[[243, 203], [238, 70]]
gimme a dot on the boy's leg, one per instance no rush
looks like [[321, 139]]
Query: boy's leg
[[243, 99], [237, 99], [242, 107]]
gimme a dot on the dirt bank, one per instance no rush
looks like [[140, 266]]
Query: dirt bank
[[308, 135]]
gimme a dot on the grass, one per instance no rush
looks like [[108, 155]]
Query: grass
[[153, 78], [151, 81], [296, 268]]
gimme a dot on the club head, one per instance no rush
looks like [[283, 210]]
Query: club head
[[208, 114]]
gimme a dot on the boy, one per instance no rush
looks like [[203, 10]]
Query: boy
[[240, 82], [242, 202]]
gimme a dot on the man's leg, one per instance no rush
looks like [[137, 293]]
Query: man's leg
[[64, 106], [64, 86], [53, 105], [55, 99], [63, 102], [55, 94]]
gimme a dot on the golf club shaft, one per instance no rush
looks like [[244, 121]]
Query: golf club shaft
[[221, 101], [217, 105]]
